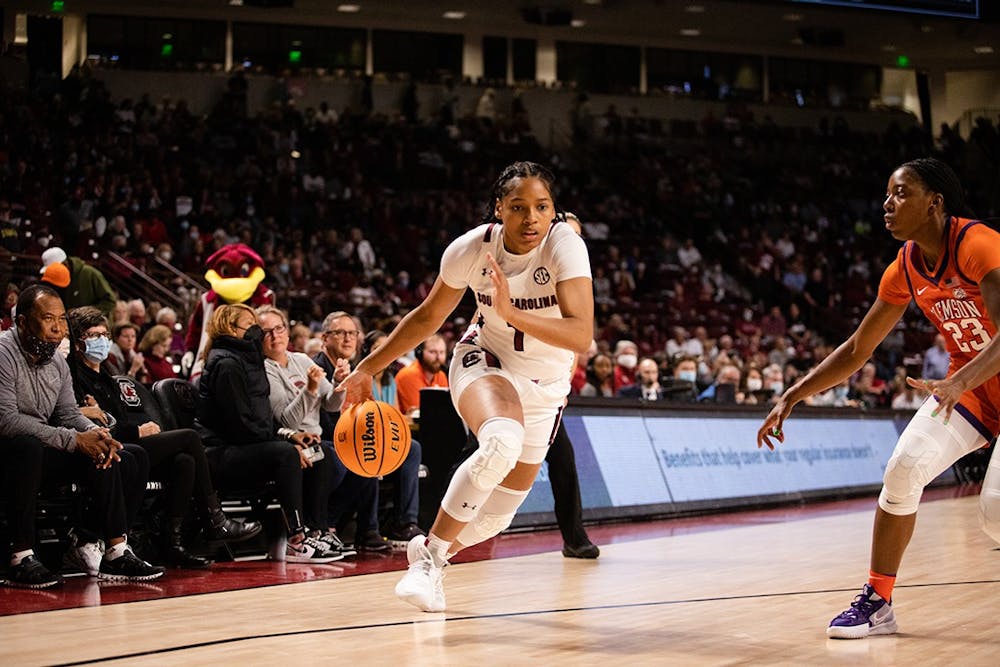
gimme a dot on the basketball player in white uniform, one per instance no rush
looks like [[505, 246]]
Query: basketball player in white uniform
[[509, 374]]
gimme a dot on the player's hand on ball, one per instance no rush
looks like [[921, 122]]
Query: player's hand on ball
[[357, 387]]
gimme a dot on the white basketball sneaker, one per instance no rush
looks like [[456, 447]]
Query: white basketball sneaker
[[423, 584]]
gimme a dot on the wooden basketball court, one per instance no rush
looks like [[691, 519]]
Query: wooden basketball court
[[749, 595]]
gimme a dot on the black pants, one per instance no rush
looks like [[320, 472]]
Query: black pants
[[317, 481], [250, 466], [177, 458], [115, 493], [566, 489], [350, 493]]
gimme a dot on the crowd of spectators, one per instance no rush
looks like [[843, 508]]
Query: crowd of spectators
[[726, 253], [732, 230]]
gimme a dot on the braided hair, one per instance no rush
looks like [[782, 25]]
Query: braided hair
[[940, 178], [505, 183]]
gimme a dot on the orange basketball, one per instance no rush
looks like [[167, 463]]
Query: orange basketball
[[372, 438]]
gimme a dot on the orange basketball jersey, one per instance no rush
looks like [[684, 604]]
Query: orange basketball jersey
[[948, 294]]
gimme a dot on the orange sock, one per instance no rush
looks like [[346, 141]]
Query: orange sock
[[882, 583]]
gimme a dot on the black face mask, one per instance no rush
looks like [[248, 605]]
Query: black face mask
[[42, 350], [254, 334]]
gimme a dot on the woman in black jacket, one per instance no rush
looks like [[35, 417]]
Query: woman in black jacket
[[176, 456], [234, 419]]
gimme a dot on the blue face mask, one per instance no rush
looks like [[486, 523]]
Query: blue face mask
[[97, 349], [689, 376]]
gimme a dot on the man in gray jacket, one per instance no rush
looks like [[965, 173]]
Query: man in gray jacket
[[44, 435]]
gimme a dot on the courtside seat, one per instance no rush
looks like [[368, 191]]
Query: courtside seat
[[176, 398]]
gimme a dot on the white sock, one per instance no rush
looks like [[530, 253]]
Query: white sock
[[18, 556], [438, 549], [117, 551]]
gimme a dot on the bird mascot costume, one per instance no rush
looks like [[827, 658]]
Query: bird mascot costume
[[236, 275]]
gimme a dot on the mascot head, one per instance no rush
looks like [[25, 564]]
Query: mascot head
[[234, 272]]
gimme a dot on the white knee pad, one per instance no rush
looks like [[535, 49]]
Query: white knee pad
[[494, 517], [907, 473], [500, 443], [989, 499], [925, 449]]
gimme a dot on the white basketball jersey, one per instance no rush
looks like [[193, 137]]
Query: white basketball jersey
[[533, 277]]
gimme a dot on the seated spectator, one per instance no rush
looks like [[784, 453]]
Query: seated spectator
[[773, 324], [580, 369], [403, 525], [600, 377], [155, 350], [774, 381], [682, 386], [648, 387], [936, 360], [426, 371], [119, 313], [908, 398], [341, 335], [168, 317], [676, 344], [137, 316], [175, 456], [235, 423], [45, 437], [626, 359], [724, 388], [699, 346], [299, 390], [298, 336], [124, 359], [85, 284], [753, 387], [834, 397], [6, 318], [867, 387]]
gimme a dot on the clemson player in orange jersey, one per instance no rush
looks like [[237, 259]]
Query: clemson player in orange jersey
[[950, 265]]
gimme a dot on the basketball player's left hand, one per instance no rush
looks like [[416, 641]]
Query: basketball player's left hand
[[947, 391], [501, 289], [357, 388], [771, 428]]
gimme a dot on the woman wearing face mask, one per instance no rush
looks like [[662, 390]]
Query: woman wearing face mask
[[177, 457], [235, 421], [626, 359], [753, 386]]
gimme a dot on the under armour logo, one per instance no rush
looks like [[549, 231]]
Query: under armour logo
[[467, 506], [486, 271]]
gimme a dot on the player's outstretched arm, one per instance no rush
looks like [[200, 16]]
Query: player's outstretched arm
[[842, 362], [416, 327]]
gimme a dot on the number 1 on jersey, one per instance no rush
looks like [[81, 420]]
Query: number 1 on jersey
[[518, 338]]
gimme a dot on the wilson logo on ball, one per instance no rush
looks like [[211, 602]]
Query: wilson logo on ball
[[372, 438]]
